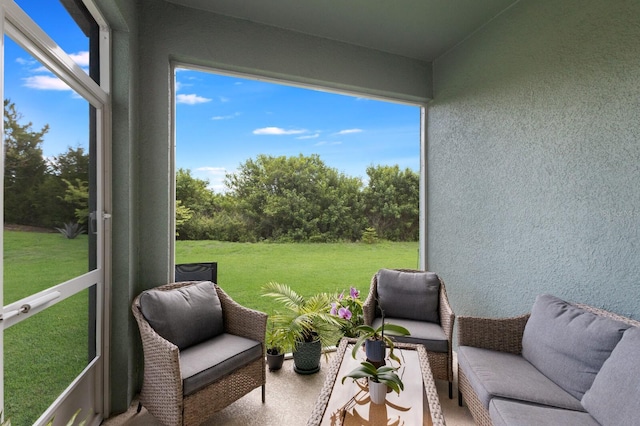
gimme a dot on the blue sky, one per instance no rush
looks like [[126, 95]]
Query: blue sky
[[221, 121]]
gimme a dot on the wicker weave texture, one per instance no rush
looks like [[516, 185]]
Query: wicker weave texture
[[162, 393], [441, 363], [504, 335]]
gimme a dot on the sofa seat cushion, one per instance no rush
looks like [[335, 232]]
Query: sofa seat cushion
[[409, 295], [429, 334], [184, 316], [614, 397], [568, 344], [208, 361], [505, 412], [500, 374]]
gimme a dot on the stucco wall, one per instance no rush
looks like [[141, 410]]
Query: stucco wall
[[534, 159], [150, 35]]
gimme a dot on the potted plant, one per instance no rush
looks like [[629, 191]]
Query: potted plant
[[377, 339], [379, 380], [305, 325], [275, 347], [349, 310]]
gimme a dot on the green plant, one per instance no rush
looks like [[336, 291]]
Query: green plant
[[349, 310], [71, 230], [369, 236], [275, 341], [383, 374], [303, 319], [366, 332]]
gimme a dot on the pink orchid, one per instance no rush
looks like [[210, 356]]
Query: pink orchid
[[334, 309], [344, 313], [354, 293]]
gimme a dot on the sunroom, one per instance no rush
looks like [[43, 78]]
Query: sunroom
[[530, 146]]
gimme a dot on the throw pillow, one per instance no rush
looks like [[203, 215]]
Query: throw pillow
[[409, 295], [185, 316], [568, 344], [613, 397]]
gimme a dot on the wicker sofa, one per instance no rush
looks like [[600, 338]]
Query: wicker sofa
[[562, 364], [202, 351]]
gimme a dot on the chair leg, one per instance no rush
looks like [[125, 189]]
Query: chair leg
[[459, 398], [139, 407], [450, 390], [263, 393]]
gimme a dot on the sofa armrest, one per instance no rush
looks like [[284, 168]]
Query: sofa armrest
[[369, 306], [498, 334], [242, 321]]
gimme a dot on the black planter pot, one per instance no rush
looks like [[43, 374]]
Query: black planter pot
[[306, 357], [275, 361]]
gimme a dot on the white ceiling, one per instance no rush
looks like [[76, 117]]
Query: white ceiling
[[420, 29]]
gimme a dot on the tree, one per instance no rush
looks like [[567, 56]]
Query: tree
[[25, 168], [392, 202], [297, 199]]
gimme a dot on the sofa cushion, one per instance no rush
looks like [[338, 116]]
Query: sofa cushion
[[614, 396], [429, 334], [505, 412], [568, 344], [186, 315], [410, 295], [500, 374], [203, 364]]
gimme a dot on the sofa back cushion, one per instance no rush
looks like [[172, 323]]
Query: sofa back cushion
[[568, 344], [185, 316], [409, 295], [613, 397]]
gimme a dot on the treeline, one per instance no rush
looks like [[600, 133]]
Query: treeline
[[39, 191], [299, 199]]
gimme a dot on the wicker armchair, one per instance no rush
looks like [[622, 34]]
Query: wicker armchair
[[167, 395], [440, 355]]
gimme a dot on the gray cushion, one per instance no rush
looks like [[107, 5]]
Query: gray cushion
[[410, 295], [429, 334], [203, 364], [568, 344], [184, 316], [499, 374], [513, 413], [614, 397]]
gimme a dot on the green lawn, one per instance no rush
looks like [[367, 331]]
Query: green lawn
[[44, 353]]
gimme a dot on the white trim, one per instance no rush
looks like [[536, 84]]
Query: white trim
[[424, 205], [2, 24]]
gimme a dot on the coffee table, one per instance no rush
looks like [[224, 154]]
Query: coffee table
[[348, 403]]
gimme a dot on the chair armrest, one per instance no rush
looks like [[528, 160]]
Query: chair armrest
[[242, 321], [369, 306], [161, 367], [447, 317], [498, 334]]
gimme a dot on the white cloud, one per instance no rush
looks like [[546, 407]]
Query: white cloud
[[277, 131], [225, 117], [213, 170], [314, 136], [45, 82], [328, 143], [191, 99], [223, 99], [349, 131], [23, 61], [80, 58]]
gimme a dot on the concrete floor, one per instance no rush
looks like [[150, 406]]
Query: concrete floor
[[289, 401]]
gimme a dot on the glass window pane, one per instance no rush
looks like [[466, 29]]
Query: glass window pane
[[55, 20], [43, 355], [46, 178]]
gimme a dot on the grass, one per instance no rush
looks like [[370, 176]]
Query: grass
[[44, 353]]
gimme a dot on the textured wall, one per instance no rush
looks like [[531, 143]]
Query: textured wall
[[534, 159]]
